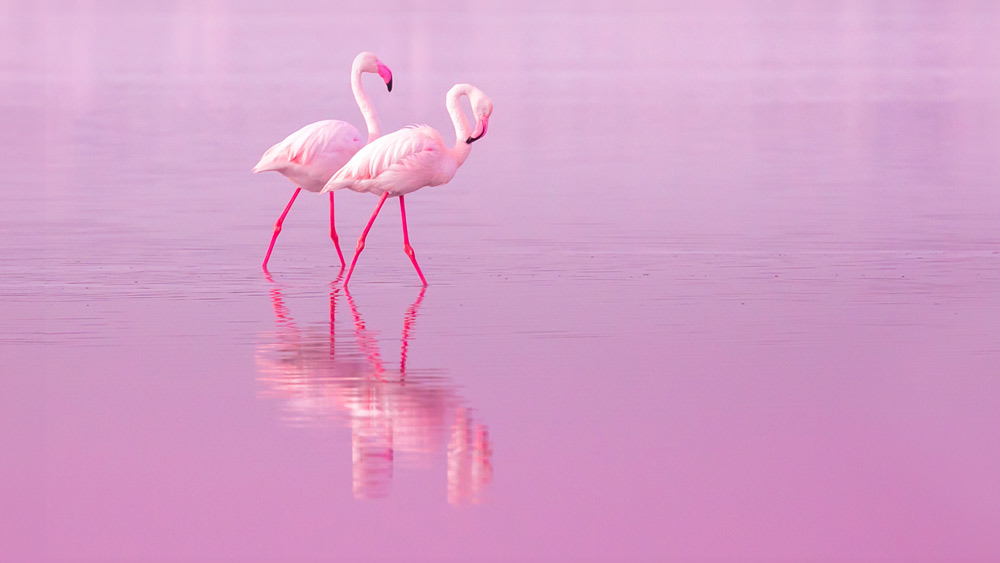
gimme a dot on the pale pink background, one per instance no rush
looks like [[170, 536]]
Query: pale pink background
[[721, 283]]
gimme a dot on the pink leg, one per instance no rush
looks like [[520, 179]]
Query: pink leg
[[333, 235], [406, 242], [361, 239], [277, 227]]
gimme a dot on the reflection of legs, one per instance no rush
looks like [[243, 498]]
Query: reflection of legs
[[277, 227], [408, 320], [366, 341], [361, 239], [406, 243], [282, 316], [333, 309], [333, 235]]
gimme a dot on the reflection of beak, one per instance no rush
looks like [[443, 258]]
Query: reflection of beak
[[386, 75], [481, 126]]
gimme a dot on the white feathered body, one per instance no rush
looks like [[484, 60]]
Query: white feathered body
[[398, 163], [311, 155]]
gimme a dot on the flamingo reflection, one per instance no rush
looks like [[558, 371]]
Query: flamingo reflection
[[321, 376]]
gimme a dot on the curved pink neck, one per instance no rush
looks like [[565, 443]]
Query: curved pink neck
[[364, 104], [462, 130]]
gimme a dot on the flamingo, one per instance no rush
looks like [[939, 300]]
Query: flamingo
[[412, 158], [310, 156]]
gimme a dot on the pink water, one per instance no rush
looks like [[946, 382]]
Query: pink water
[[721, 283]]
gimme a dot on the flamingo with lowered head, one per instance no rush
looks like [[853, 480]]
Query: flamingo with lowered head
[[412, 158], [311, 155]]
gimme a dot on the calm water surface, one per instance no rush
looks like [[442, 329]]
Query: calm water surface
[[721, 283]]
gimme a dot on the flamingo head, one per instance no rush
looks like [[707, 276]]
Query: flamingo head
[[386, 75], [482, 108], [368, 62]]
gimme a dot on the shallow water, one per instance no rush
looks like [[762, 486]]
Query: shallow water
[[720, 283]]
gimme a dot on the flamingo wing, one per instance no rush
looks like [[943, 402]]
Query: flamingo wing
[[399, 162], [315, 143]]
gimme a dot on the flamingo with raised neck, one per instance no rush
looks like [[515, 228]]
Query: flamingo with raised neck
[[311, 155], [412, 158]]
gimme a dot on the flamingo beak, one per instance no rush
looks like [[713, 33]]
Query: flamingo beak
[[481, 126], [386, 75]]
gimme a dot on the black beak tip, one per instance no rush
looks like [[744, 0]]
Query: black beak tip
[[470, 140], [389, 84]]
